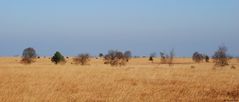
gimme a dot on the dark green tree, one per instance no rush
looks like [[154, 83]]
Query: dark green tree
[[28, 55], [58, 58]]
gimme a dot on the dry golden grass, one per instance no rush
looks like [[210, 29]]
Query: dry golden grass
[[139, 81]]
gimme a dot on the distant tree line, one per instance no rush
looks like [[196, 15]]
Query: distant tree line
[[119, 58]]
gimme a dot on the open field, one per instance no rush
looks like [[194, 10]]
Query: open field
[[138, 81]]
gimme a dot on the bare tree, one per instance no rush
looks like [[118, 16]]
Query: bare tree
[[167, 59], [127, 55], [220, 57], [82, 59], [29, 55], [171, 57]]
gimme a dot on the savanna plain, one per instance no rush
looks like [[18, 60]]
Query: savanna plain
[[139, 81]]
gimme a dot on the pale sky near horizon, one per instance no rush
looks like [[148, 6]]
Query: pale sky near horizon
[[96, 26]]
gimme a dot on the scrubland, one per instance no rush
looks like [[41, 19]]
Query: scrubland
[[138, 81]]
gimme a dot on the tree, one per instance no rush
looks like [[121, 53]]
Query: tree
[[58, 58], [82, 59], [171, 57], [197, 57], [127, 55], [115, 58], [163, 58], [167, 59], [221, 57], [28, 55]]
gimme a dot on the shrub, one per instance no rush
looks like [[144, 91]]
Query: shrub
[[58, 58], [101, 55], [197, 57], [127, 55], [221, 57], [82, 59], [206, 58], [151, 57], [115, 58], [28, 55]]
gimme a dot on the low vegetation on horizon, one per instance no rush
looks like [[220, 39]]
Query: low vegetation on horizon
[[118, 77]]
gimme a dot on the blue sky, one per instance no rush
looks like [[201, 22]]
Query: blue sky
[[95, 26]]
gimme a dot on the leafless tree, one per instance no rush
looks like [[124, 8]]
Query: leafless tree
[[82, 59], [220, 57], [167, 59]]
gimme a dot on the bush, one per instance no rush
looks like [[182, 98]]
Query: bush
[[127, 55], [58, 58], [82, 59], [29, 55], [101, 55], [197, 57], [206, 58], [221, 57], [115, 58], [151, 57]]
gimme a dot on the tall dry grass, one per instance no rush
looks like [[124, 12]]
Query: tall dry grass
[[138, 81]]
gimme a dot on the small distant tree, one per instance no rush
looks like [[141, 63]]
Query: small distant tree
[[171, 57], [58, 58], [82, 59], [220, 57], [163, 58], [115, 58], [127, 55], [29, 55], [167, 59], [151, 57], [101, 55], [197, 57]]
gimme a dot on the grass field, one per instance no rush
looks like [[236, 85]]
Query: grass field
[[138, 81]]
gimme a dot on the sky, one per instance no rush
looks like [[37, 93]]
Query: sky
[[96, 26]]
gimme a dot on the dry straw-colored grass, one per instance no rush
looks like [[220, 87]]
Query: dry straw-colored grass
[[138, 81]]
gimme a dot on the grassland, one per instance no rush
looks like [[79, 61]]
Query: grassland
[[138, 81]]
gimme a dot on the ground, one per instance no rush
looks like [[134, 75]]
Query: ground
[[138, 81]]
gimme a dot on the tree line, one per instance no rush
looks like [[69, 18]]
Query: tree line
[[119, 58]]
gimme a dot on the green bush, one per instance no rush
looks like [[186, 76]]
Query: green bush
[[58, 58]]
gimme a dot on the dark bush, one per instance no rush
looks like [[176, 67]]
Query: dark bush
[[58, 58], [127, 55], [220, 57], [82, 59], [115, 58], [206, 58], [29, 55], [151, 57], [197, 57], [101, 55]]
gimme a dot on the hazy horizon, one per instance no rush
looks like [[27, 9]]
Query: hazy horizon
[[141, 26]]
